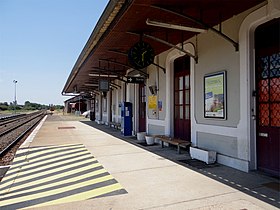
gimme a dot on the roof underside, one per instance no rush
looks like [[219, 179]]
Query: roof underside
[[105, 52]]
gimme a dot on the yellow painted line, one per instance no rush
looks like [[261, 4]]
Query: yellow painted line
[[4, 184], [29, 156], [45, 149], [22, 158], [35, 175], [24, 162], [50, 178], [19, 172], [84, 196], [55, 191], [32, 156], [31, 166], [29, 174], [83, 154], [54, 184], [47, 159], [41, 151], [63, 146], [46, 179]]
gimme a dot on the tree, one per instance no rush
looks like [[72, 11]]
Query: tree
[[27, 103]]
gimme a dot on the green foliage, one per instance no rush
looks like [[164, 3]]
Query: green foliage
[[27, 106], [59, 107], [33, 106], [4, 106]]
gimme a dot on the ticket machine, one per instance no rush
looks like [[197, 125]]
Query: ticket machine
[[126, 114]]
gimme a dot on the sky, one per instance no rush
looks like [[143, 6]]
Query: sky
[[40, 41]]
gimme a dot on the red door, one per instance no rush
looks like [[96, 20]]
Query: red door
[[182, 122], [142, 108], [268, 97]]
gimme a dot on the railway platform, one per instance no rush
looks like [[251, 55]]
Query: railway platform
[[69, 162]]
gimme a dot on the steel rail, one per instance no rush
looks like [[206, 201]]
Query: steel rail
[[17, 119], [19, 125], [22, 134], [4, 121]]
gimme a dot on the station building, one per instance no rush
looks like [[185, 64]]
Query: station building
[[77, 103], [207, 71]]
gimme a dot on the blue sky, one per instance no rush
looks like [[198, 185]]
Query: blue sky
[[40, 41]]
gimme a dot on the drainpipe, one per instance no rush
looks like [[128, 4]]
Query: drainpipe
[[157, 78]]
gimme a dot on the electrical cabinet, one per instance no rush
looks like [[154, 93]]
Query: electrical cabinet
[[126, 116]]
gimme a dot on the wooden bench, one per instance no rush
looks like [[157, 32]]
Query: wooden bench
[[177, 142], [115, 125]]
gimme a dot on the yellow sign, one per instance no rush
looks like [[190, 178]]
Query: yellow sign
[[152, 102]]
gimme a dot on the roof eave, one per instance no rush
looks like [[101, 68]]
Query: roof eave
[[108, 15]]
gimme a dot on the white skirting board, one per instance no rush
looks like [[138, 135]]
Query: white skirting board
[[203, 155]]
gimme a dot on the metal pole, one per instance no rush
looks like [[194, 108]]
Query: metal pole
[[15, 102], [79, 106]]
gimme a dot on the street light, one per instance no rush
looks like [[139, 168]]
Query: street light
[[15, 102]]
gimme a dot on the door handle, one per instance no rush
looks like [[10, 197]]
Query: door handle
[[263, 134]]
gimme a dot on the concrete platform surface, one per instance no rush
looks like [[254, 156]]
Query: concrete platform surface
[[72, 164]]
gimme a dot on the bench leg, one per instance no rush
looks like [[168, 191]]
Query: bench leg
[[179, 149]]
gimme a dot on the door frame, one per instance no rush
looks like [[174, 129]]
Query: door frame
[[263, 143], [169, 119], [247, 75], [183, 73], [140, 86]]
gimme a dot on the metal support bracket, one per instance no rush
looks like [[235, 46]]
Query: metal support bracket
[[163, 69], [125, 54], [234, 43], [113, 72], [115, 85], [125, 65]]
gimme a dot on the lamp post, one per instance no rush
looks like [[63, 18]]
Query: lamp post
[[15, 102]]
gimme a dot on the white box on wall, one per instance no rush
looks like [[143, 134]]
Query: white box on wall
[[203, 155]]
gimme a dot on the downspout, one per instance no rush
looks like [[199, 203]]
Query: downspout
[[157, 87]]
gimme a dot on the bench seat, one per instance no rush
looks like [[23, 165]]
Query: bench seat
[[174, 141]]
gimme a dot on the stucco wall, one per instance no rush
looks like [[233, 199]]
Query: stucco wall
[[215, 54], [229, 137], [224, 136], [157, 116]]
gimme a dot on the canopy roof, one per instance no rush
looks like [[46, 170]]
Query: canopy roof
[[125, 22]]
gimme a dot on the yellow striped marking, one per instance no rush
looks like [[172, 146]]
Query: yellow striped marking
[[36, 174], [51, 192], [85, 195], [50, 175], [53, 149], [12, 193], [49, 178]]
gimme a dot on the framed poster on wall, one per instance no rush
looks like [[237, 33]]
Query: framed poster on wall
[[215, 95]]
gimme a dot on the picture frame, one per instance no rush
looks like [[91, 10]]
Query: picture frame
[[215, 97]]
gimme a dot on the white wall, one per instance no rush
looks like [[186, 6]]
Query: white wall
[[230, 136], [233, 137]]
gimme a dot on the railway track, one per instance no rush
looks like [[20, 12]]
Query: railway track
[[13, 130]]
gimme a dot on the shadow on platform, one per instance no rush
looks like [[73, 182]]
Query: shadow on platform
[[255, 184]]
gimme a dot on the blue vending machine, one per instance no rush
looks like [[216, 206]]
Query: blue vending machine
[[126, 114]]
